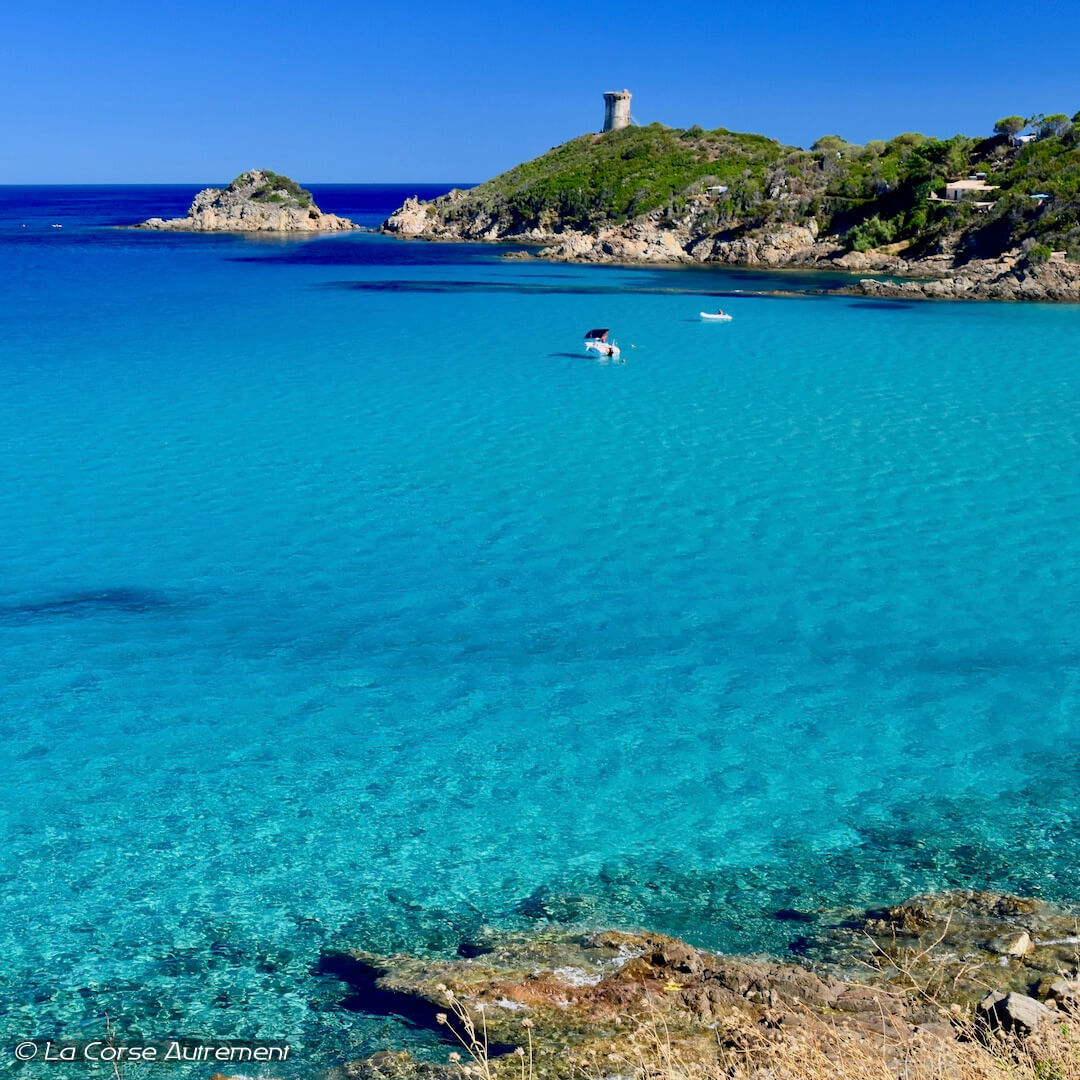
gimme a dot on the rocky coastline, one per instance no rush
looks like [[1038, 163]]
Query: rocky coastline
[[655, 239], [939, 986], [1007, 278], [256, 201]]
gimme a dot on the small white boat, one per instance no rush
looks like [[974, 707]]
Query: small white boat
[[596, 341], [715, 316]]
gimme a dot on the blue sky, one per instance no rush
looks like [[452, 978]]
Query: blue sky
[[115, 91]]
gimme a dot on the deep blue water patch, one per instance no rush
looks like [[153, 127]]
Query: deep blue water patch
[[521, 287], [91, 602], [889, 305]]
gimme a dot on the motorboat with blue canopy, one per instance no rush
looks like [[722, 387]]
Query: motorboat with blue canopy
[[598, 341]]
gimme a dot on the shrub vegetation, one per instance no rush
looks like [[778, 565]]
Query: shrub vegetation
[[871, 195], [280, 189]]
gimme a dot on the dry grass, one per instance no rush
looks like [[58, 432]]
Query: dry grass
[[814, 1049], [842, 1053]]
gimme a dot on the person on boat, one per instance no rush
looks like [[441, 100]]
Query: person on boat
[[719, 311]]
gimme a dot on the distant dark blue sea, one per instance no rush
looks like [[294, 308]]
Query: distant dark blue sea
[[346, 601]]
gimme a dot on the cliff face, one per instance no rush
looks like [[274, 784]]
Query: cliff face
[[256, 201]]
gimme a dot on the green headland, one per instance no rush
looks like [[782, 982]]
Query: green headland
[[1005, 203]]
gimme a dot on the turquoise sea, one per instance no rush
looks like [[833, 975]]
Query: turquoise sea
[[344, 600]]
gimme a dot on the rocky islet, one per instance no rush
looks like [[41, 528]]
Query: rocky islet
[[256, 201]]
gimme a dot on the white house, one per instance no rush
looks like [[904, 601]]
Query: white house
[[956, 190]]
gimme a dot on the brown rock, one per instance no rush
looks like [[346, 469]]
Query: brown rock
[[1061, 991], [1013, 1013]]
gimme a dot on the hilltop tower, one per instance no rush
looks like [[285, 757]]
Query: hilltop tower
[[616, 110]]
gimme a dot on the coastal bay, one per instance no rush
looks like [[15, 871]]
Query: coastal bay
[[333, 622]]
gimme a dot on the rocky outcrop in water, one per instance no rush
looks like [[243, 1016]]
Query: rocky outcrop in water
[[897, 983], [579, 998], [256, 201], [1008, 278], [412, 218]]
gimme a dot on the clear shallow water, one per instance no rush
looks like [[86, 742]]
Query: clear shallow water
[[344, 601]]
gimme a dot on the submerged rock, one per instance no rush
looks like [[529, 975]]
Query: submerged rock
[[256, 201], [556, 907], [395, 1064], [955, 944]]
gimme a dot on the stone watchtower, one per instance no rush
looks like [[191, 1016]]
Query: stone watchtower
[[616, 110]]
